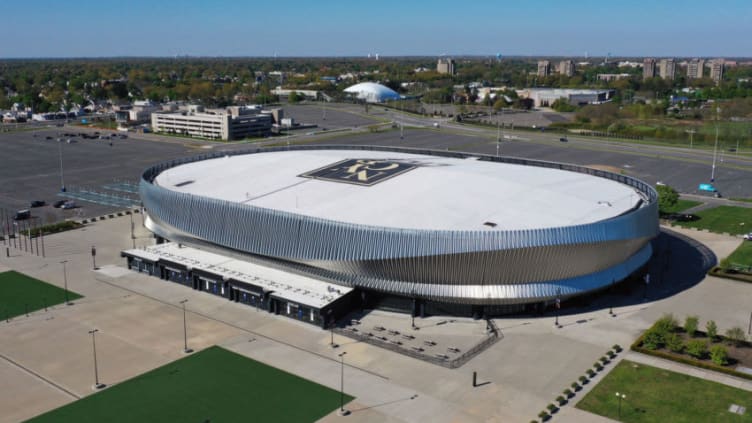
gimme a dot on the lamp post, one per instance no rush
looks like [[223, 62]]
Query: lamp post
[[646, 279], [97, 385], [342, 411], [133, 236], [558, 306], [611, 307], [186, 350], [715, 147], [65, 282], [60, 152], [621, 397]]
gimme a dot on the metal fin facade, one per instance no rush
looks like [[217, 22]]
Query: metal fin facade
[[466, 267]]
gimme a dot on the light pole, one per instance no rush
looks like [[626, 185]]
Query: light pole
[[186, 350], [342, 411], [60, 151], [133, 236], [97, 385], [646, 279], [621, 397], [65, 282], [558, 306], [715, 147], [611, 308], [498, 137]]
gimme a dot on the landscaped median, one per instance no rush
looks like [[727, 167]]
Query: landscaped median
[[708, 350], [21, 294]]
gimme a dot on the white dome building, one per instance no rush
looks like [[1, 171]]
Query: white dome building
[[372, 92]]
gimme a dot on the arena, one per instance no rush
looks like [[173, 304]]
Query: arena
[[415, 229]]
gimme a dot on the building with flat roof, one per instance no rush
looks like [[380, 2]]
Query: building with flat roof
[[566, 67], [233, 123], [545, 97], [544, 68], [695, 68], [667, 68], [445, 66], [469, 233], [716, 70], [648, 68]]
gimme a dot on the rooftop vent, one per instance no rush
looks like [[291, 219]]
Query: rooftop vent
[[490, 224]]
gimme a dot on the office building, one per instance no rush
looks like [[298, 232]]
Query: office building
[[566, 67], [233, 123]]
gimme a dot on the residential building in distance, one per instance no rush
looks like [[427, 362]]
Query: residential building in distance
[[544, 68], [648, 68], [566, 67], [235, 122], [612, 76], [695, 68], [716, 70], [446, 66], [667, 68]]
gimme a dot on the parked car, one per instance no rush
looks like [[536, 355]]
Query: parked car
[[22, 215], [748, 237], [682, 217], [69, 205], [563, 139], [59, 203], [37, 203]]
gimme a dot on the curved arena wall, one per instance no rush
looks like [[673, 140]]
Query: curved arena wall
[[469, 267]]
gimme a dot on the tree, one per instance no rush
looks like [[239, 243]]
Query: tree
[[711, 329], [697, 348], [293, 97], [667, 198], [735, 336], [690, 325], [719, 355]]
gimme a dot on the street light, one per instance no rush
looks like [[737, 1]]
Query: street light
[[65, 282], [97, 385], [558, 306], [611, 307], [186, 350], [342, 411], [715, 147], [621, 397], [60, 151]]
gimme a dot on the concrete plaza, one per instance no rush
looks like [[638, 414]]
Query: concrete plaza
[[46, 358]]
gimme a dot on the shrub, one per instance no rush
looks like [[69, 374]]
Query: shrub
[[690, 325], [543, 415], [603, 359], [561, 400], [551, 408], [719, 355], [568, 392], [674, 343], [697, 348], [711, 329], [653, 339], [616, 348], [735, 336], [666, 324], [575, 386], [590, 373], [582, 379], [611, 354]]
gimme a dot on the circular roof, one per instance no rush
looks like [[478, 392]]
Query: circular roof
[[373, 92], [401, 190]]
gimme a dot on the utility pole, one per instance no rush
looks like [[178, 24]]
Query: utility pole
[[715, 148]]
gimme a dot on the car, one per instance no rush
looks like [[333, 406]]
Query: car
[[69, 205], [748, 237], [59, 203], [563, 139], [37, 203], [682, 217], [48, 137], [22, 215]]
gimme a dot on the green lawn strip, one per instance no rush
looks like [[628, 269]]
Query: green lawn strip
[[214, 385], [681, 205], [657, 395], [742, 255], [17, 291], [731, 219]]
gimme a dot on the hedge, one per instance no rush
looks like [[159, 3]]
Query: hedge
[[53, 228], [738, 276]]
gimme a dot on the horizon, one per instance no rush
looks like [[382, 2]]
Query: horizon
[[297, 29]]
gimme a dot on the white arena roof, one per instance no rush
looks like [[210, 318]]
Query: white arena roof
[[431, 192]]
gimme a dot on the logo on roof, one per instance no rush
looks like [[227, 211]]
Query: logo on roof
[[364, 172]]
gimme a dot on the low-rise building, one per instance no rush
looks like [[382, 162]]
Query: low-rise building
[[226, 124], [545, 97]]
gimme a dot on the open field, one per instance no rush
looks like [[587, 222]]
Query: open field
[[214, 385], [742, 255], [658, 395], [734, 220], [20, 294]]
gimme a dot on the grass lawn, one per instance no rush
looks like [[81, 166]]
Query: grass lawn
[[657, 395], [681, 205], [734, 220], [214, 385], [18, 290], [742, 255]]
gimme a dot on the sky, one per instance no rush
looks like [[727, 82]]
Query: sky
[[106, 28]]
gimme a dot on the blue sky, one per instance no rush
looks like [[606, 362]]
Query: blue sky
[[84, 28]]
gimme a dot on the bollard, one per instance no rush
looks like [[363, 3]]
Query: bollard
[[475, 379], [7, 252]]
